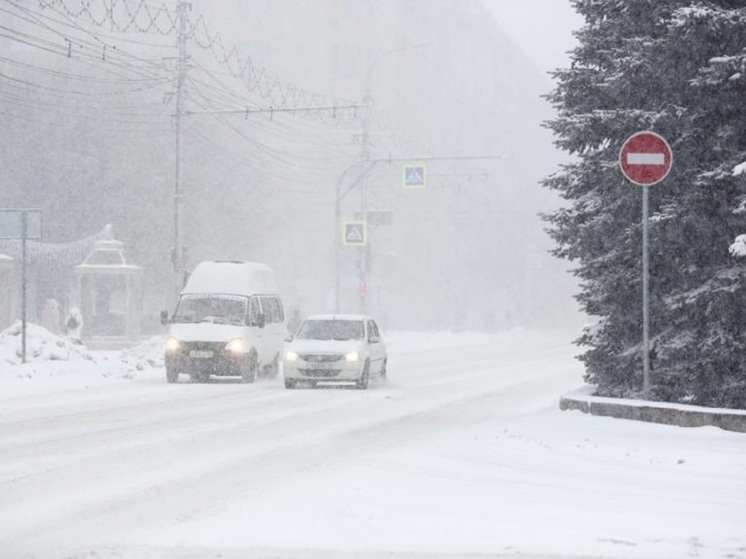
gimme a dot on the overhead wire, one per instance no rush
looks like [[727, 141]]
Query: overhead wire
[[285, 128], [98, 47], [322, 153], [68, 75], [280, 130], [127, 76]]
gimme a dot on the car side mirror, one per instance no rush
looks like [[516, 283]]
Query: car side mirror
[[374, 339], [289, 338], [164, 317]]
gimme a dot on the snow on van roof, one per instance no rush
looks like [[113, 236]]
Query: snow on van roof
[[231, 277]]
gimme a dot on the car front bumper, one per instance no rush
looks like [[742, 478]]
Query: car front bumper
[[309, 369]]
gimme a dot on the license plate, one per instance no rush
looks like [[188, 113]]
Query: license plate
[[200, 354]]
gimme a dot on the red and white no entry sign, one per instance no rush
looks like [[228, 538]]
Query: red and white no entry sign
[[645, 158]]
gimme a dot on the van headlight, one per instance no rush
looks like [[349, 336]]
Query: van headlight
[[173, 344], [352, 356], [291, 356], [236, 345]]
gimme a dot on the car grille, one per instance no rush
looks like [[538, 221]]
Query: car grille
[[320, 373], [320, 358]]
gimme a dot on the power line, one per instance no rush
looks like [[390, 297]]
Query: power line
[[143, 17]]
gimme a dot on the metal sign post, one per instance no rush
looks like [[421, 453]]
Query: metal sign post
[[645, 291], [645, 159], [24, 236], [21, 224]]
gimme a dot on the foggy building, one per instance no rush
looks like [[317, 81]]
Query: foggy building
[[443, 82], [296, 118]]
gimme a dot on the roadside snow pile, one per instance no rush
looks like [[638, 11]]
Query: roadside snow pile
[[41, 345], [50, 355], [148, 354], [131, 362]]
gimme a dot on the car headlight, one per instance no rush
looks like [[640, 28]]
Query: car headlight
[[236, 345], [352, 356], [291, 356], [172, 344]]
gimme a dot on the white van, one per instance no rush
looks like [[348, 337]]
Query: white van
[[229, 321]]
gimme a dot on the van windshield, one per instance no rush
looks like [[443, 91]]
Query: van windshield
[[220, 309]]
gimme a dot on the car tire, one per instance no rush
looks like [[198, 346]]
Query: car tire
[[172, 375], [199, 377], [248, 371], [383, 378], [289, 383], [362, 382]]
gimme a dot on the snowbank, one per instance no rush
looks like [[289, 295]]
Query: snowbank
[[48, 354], [41, 345]]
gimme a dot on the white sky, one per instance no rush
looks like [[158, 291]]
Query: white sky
[[542, 28]]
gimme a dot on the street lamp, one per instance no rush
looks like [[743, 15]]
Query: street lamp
[[365, 159]]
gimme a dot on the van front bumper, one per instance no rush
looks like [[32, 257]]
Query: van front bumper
[[206, 358]]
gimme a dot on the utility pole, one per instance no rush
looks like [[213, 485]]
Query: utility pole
[[365, 158], [179, 251]]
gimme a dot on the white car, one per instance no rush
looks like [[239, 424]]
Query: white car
[[335, 349]]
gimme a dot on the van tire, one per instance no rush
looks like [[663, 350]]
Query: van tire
[[248, 371]]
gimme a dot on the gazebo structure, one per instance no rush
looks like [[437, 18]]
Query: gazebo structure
[[109, 292]]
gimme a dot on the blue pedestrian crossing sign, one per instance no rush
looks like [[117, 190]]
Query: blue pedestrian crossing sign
[[414, 176], [354, 233]]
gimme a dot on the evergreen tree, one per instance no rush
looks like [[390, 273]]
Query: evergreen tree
[[677, 68]]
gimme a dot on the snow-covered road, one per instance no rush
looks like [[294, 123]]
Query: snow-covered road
[[463, 453]]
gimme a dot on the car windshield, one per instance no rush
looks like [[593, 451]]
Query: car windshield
[[331, 330], [221, 309]]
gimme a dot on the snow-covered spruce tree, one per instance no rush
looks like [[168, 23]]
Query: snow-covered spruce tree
[[677, 68]]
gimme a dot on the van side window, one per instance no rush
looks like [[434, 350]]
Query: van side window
[[276, 303], [272, 309], [254, 311], [280, 310], [267, 309]]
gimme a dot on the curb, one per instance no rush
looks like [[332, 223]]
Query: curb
[[584, 400]]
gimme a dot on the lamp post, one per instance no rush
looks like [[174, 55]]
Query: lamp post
[[365, 159]]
